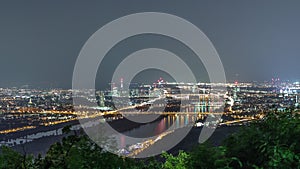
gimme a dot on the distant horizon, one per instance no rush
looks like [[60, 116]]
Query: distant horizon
[[24, 86]]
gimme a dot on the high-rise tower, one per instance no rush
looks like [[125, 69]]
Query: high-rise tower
[[121, 82]]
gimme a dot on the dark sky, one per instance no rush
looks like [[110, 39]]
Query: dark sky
[[40, 41]]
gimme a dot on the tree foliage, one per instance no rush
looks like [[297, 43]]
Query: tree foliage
[[273, 142], [10, 159]]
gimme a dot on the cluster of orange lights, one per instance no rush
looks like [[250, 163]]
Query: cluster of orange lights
[[16, 129]]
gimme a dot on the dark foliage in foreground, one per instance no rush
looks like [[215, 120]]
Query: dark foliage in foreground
[[273, 142]]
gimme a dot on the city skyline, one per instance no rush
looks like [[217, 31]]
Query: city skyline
[[40, 42]]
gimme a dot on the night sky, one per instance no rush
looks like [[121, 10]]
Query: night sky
[[40, 41]]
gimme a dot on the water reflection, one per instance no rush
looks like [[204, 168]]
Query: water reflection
[[158, 127]]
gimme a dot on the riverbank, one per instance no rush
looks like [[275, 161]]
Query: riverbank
[[41, 145], [190, 141]]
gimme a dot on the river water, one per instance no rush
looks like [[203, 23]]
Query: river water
[[143, 132]]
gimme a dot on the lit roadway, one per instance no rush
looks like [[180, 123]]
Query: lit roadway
[[148, 143]]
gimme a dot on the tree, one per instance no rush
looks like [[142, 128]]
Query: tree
[[11, 159], [273, 142], [181, 161]]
